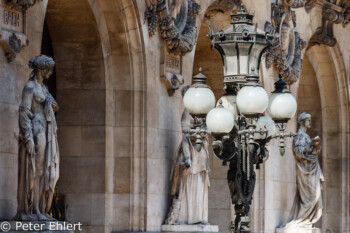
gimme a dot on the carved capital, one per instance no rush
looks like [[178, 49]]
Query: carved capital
[[221, 6], [19, 5], [285, 52], [324, 34]]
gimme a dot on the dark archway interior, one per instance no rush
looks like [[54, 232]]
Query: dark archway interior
[[71, 36], [46, 49]]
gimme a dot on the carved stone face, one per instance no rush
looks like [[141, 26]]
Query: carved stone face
[[46, 73], [307, 123]]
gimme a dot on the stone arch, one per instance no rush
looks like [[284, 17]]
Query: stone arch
[[123, 51], [80, 91], [328, 66], [114, 174]]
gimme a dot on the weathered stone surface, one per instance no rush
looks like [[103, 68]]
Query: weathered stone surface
[[190, 228], [309, 230]]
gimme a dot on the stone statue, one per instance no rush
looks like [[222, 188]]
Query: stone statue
[[190, 180], [307, 206], [38, 158]]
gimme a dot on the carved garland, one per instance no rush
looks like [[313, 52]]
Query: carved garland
[[285, 53], [179, 39]]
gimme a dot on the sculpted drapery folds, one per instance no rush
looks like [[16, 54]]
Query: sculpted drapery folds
[[190, 179], [285, 53], [38, 169], [307, 206], [177, 23]]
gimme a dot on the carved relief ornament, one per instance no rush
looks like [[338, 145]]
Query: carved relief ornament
[[20, 5], [331, 14], [177, 23], [13, 26], [176, 20], [221, 6], [285, 53]]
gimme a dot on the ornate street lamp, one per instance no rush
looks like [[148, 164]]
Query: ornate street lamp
[[238, 123]]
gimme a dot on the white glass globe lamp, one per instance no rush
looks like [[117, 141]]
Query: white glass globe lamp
[[199, 99], [220, 120], [282, 104], [252, 99]]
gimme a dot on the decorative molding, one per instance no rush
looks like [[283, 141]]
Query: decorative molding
[[12, 46], [333, 12], [171, 71], [309, 4], [324, 34], [346, 12], [19, 5], [177, 23], [13, 27], [285, 52], [222, 6]]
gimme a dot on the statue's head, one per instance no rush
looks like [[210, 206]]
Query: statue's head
[[42, 65], [304, 119]]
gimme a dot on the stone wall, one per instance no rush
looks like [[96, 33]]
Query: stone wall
[[13, 77], [119, 128]]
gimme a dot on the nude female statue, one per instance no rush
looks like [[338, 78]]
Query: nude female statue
[[38, 157], [307, 206]]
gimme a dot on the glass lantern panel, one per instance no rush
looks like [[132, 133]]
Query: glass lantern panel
[[243, 52], [230, 59]]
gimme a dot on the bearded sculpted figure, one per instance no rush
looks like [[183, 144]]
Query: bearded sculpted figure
[[307, 206], [38, 158], [190, 179]]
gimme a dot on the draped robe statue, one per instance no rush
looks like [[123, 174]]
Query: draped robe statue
[[38, 156], [190, 181], [307, 206]]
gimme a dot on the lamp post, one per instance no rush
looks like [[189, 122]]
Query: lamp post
[[238, 124]]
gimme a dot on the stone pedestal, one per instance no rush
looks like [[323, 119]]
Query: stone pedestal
[[39, 226], [190, 228], [298, 230]]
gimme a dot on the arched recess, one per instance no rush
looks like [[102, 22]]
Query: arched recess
[[328, 66], [309, 99], [80, 92], [100, 85]]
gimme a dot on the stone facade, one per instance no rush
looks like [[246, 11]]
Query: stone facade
[[119, 128]]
